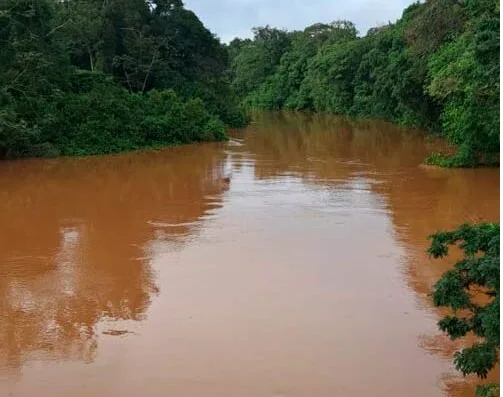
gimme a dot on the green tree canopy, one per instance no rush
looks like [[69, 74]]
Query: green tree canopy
[[58, 55], [436, 67]]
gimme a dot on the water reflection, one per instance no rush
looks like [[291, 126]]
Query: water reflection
[[76, 241], [332, 148], [430, 200], [339, 153], [304, 274]]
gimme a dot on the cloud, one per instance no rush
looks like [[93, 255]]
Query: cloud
[[236, 18]]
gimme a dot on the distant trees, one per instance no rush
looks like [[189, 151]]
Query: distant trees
[[258, 59], [61, 55], [472, 291], [437, 67]]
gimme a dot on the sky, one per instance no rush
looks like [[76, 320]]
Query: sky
[[235, 18]]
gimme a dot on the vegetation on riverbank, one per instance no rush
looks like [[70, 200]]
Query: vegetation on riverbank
[[92, 76], [472, 291], [437, 67]]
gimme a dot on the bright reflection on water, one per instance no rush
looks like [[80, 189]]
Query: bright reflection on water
[[303, 274]]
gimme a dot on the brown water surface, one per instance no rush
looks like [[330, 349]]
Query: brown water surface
[[304, 274]]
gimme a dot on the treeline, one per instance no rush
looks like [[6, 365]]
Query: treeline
[[437, 67], [99, 76]]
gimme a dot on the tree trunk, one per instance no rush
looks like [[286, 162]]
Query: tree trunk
[[91, 62], [148, 72]]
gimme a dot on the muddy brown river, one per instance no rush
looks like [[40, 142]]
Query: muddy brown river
[[303, 274]]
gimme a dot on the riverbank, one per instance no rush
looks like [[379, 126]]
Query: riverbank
[[109, 120], [436, 67], [78, 79], [245, 289]]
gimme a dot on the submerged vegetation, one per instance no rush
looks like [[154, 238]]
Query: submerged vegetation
[[437, 67], [93, 76]]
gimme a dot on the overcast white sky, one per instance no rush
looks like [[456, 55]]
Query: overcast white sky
[[235, 18]]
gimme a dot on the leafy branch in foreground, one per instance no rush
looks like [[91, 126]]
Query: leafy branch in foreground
[[472, 291]]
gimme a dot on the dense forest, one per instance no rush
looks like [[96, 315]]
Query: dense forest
[[97, 76], [81, 77], [437, 68]]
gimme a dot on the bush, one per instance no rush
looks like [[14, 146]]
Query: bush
[[104, 118]]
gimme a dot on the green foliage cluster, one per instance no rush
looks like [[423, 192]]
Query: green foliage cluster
[[97, 76], [437, 67], [472, 290]]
